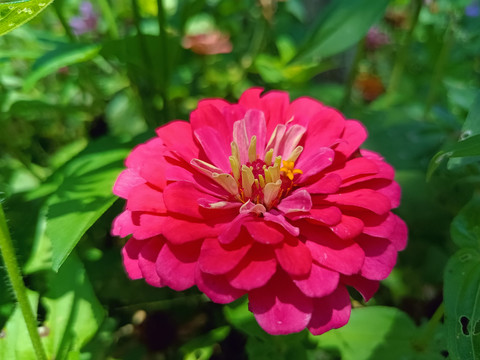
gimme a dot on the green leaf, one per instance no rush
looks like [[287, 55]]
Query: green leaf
[[84, 195], [73, 312], [16, 13], [465, 228], [201, 348], [462, 304], [64, 55], [15, 344], [341, 25], [376, 333]]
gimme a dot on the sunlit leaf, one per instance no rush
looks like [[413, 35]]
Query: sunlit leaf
[[64, 55], [376, 333], [15, 341], [465, 228], [462, 304], [16, 13], [342, 24], [73, 312], [85, 194]]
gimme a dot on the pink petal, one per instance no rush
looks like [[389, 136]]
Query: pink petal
[[399, 235], [303, 110], [147, 225], [255, 270], [299, 200], [327, 184], [290, 140], [274, 105], [378, 225], [280, 220], [348, 228], [145, 198], [328, 215], [367, 288], [217, 287], [294, 257], [330, 251], [130, 258], [255, 125], [364, 198], [231, 231], [280, 307], [250, 98], [176, 264], [216, 147], [209, 113], [183, 198], [216, 258], [122, 225], [392, 192], [353, 136], [311, 164], [320, 282], [180, 231], [127, 180], [380, 257], [324, 129], [330, 312], [356, 168], [147, 259], [174, 130], [264, 233]]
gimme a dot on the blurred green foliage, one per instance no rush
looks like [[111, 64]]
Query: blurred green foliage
[[73, 102]]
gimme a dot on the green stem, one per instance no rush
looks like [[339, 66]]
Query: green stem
[[109, 18], [161, 18], [404, 51], [429, 332], [13, 272], [352, 74], [58, 10], [439, 68]]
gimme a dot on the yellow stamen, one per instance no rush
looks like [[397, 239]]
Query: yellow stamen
[[234, 164], [247, 180], [295, 153], [289, 169], [252, 149], [268, 157], [270, 193], [274, 172], [261, 180], [235, 151]]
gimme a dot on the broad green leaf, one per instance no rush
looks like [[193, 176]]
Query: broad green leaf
[[84, 195], [15, 344], [73, 312], [470, 128], [64, 55], [16, 13], [341, 25], [376, 333], [465, 228], [462, 304], [201, 347], [242, 319]]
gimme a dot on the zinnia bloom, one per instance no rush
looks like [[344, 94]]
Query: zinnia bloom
[[266, 198]]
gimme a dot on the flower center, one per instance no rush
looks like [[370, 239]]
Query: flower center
[[263, 181]]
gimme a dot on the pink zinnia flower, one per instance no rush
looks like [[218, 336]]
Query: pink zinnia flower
[[266, 198]]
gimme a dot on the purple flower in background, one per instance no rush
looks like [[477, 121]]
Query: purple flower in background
[[87, 21], [473, 10], [376, 38]]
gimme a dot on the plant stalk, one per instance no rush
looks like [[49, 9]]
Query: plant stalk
[[404, 50], [162, 21], [15, 277], [109, 18]]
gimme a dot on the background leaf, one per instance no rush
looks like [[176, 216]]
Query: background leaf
[[341, 25], [15, 13], [85, 194], [376, 333], [462, 304]]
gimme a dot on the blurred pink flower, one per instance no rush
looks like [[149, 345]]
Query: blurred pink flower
[[213, 42], [87, 21], [266, 198], [376, 38]]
